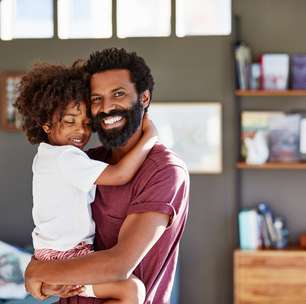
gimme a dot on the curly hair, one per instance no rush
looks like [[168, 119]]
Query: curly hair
[[113, 58], [45, 89]]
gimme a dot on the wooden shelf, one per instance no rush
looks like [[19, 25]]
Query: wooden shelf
[[270, 93], [273, 166], [270, 276]]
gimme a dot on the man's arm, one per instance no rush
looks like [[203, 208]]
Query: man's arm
[[138, 234]]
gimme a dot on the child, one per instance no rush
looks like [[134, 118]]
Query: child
[[55, 110]]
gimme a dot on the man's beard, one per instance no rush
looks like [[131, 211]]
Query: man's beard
[[117, 137]]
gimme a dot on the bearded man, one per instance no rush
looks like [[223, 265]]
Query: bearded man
[[138, 225]]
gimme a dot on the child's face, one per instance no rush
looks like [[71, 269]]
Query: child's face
[[73, 128]]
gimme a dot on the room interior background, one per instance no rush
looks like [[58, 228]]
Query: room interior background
[[196, 69]]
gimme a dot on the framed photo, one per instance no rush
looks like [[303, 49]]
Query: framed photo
[[193, 131], [10, 121]]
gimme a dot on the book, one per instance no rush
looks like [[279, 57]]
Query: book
[[284, 138], [249, 229], [298, 71], [253, 122], [275, 71]]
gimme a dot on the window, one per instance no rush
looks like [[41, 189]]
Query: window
[[203, 17], [26, 19], [138, 18], [84, 18]]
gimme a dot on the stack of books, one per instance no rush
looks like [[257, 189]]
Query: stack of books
[[259, 229]]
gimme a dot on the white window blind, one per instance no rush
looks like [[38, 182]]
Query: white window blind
[[84, 19], [26, 19], [139, 18], [203, 17]]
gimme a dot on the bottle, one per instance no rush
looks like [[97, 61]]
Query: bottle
[[282, 233]]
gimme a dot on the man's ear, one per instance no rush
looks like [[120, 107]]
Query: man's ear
[[47, 128], [146, 98]]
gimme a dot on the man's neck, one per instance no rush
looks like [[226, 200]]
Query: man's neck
[[120, 152]]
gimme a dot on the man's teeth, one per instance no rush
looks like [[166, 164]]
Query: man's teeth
[[112, 120]]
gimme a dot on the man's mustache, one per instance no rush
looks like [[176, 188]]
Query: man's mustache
[[102, 115]]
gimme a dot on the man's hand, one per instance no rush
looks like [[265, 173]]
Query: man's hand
[[42, 291], [34, 288], [62, 291], [32, 285]]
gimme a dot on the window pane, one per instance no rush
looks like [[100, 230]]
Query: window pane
[[84, 19], [203, 17], [26, 19], [138, 18]]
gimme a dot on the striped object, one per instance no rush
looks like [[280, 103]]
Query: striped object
[[80, 250], [50, 254]]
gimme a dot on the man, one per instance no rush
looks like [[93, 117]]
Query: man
[[138, 225]]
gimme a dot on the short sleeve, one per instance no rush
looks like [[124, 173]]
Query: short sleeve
[[166, 192], [78, 169]]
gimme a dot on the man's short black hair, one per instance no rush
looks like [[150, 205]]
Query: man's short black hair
[[113, 58]]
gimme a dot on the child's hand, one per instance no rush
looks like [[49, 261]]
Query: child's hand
[[62, 291], [148, 127]]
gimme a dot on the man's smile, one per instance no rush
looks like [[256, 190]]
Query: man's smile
[[113, 122]]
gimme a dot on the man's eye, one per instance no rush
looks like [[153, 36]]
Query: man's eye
[[68, 122], [119, 93]]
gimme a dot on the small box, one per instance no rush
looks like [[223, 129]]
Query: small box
[[298, 71]]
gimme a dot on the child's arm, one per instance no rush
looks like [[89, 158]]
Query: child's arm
[[125, 169]]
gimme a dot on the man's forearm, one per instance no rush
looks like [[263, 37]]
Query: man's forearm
[[98, 267], [138, 234]]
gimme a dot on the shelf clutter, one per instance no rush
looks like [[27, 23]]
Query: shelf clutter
[[260, 228], [272, 140], [270, 72]]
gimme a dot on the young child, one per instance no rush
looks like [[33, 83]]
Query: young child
[[53, 102]]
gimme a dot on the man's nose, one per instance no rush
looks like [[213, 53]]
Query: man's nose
[[106, 105]]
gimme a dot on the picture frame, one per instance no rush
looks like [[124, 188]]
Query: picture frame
[[10, 120], [193, 130]]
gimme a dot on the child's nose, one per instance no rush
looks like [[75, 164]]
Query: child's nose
[[80, 129]]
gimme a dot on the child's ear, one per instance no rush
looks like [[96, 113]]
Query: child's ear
[[146, 98], [47, 128]]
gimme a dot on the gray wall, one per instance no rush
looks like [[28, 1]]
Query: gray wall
[[192, 69]]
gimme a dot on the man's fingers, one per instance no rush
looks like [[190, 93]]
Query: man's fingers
[[70, 292], [34, 288]]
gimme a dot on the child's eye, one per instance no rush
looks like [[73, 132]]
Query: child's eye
[[95, 99], [69, 122]]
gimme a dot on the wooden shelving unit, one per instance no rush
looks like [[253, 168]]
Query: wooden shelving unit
[[270, 93], [270, 276], [272, 166]]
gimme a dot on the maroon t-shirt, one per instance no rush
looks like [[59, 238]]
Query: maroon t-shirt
[[161, 185]]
